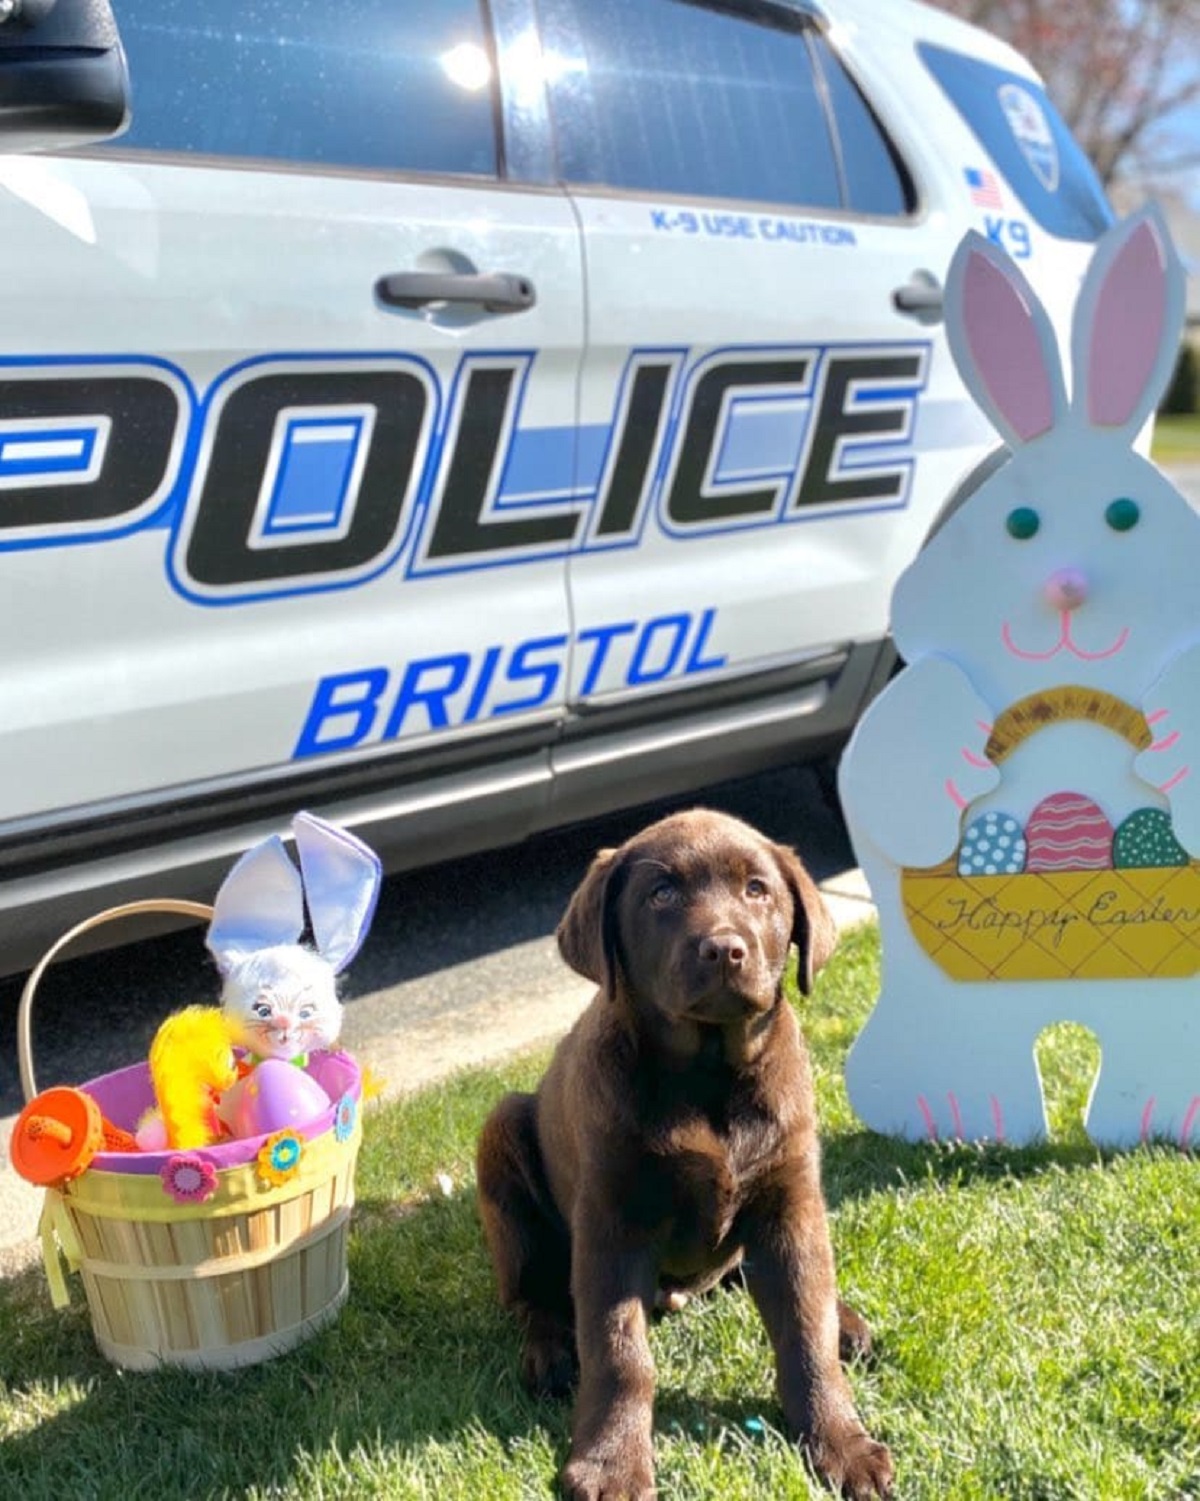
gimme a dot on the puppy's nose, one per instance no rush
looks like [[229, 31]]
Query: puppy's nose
[[723, 948]]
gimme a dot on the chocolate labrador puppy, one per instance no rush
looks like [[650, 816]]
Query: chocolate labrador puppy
[[672, 1140]]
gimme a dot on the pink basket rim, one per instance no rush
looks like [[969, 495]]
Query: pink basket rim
[[126, 1093]]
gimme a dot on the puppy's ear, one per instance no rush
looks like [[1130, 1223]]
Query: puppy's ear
[[813, 930], [585, 936]]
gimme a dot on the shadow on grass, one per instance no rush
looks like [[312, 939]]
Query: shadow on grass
[[861, 1163], [421, 1354], [680, 1412]]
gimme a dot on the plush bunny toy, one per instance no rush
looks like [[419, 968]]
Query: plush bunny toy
[[1022, 797], [280, 997]]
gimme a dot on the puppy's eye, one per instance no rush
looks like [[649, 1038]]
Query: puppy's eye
[[757, 888], [663, 894]]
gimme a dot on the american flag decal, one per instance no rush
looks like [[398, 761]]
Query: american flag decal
[[985, 190]]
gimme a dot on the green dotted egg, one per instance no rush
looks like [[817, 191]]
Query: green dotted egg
[[1145, 839]]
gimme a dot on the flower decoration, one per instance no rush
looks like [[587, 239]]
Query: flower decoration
[[345, 1117], [279, 1158], [189, 1179]]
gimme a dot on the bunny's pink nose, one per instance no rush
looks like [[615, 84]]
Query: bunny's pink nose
[[1066, 589]]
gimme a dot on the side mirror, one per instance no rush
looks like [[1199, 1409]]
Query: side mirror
[[63, 79]]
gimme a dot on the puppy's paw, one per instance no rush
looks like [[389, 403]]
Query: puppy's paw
[[549, 1363], [854, 1464], [612, 1477]]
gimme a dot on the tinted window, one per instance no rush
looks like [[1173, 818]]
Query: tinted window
[[669, 97], [876, 183], [1022, 132], [389, 84]]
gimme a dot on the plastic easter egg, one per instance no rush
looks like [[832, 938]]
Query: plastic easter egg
[[993, 845], [1067, 831], [1145, 840], [151, 1133], [272, 1097]]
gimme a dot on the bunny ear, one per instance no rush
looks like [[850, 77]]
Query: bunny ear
[[1003, 342], [1128, 322], [260, 903], [341, 883]]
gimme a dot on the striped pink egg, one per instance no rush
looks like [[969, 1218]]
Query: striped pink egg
[[1067, 831]]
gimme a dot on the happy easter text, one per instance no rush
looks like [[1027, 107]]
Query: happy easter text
[[1105, 911]]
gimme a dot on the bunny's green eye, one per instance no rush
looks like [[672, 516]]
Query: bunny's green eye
[[1122, 514], [1023, 523]]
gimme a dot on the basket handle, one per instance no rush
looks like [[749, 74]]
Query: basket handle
[[176, 906], [1053, 706]]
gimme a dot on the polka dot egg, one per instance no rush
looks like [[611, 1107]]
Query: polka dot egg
[[993, 845]]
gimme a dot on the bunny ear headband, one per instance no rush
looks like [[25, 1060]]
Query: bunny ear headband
[[262, 900]]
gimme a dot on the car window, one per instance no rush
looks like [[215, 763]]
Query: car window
[[1019, 128], [666, 96], [378, 85], [875, 179]]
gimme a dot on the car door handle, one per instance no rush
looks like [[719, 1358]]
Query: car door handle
[[495, 291], [921, 297]]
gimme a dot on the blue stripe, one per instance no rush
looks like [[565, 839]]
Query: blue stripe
[[67, 465], [551, 461], [763, 437], [311, 488]]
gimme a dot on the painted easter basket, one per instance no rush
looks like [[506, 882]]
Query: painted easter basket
[[1065, 924], [248, 1269]]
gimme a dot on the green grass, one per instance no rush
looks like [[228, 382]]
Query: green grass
[[1036, 1312], [1176, 440]]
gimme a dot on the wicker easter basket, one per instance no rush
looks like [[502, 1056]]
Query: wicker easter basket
[[245, 1272], [1062, 924]]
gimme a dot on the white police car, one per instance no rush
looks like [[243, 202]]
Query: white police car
[[461, 419]]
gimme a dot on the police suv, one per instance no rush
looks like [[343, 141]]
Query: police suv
[[462, 418]]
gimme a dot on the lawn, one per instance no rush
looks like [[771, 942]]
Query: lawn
[[1176, 440], [1036, 1314]]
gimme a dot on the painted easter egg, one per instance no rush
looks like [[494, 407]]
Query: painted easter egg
[[1067, 831], [1146, 839], [273, 1096], [993, 845]]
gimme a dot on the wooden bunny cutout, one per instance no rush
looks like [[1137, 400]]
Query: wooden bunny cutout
[[1024, 797]]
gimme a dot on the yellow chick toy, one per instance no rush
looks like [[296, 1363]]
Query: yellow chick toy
[[191, 1064]]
